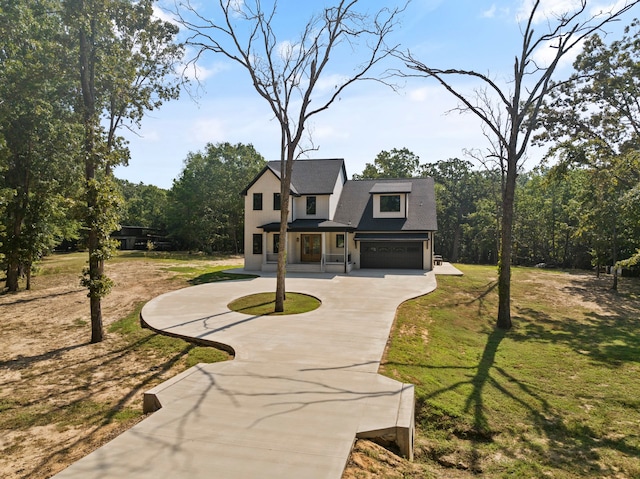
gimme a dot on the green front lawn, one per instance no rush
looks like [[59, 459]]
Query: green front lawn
[[557, 396]]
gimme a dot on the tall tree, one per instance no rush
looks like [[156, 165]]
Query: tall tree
[[126, 61], [392, 164], [512, 121], [206, 210], [38, 131], [287, 74]]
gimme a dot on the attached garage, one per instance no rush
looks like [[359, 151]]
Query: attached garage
[[391, 254]]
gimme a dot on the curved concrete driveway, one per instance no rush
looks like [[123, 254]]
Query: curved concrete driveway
[[292, 401]]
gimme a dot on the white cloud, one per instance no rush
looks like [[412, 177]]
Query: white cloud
[[491, 13], [197, 71], [547, 10], [330, 82], [607, 7], [419, 95], [545, 54]]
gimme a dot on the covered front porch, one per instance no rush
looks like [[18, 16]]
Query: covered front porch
[[312, 247]]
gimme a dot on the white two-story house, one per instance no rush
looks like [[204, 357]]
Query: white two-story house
[[335, 224]]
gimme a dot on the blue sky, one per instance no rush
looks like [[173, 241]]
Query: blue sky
[[469, 34]]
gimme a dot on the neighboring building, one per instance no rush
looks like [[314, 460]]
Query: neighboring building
[[141, 238], [336, 224]]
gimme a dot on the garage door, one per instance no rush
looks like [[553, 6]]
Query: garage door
[[391, 254]]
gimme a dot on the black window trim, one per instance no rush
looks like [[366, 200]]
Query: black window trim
[[257, 201], [399, 205], [314, 202], [257, 243]]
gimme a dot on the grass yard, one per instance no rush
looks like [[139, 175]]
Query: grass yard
[[557, 396], [263, 304]]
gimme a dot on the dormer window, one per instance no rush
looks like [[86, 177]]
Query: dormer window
[[390, 203], [390, 199]]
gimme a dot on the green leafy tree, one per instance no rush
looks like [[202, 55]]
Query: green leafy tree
[[126, 61], [458, 189], [39, 134], [206, 211], [391, 164], [143, 205]]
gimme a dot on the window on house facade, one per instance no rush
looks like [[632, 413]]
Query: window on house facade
[[257, 201], [276, 201], [276, 243], [390, 204], [257, 244], [311, 205], [340, 241]]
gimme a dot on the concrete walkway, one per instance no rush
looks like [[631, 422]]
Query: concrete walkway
[[290, 404]]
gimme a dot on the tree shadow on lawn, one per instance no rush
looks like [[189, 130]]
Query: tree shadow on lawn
[[81, 401], [608, 333], [554, 440]]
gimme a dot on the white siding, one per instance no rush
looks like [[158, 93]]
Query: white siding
[[335, 197], [322, 208], [267, 184]]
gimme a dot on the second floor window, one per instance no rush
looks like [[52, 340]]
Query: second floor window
[[311, 205], [276, 201], [257, 201]]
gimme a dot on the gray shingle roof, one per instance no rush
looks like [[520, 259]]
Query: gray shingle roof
[[312, 177], [392, 187], [356, 206]]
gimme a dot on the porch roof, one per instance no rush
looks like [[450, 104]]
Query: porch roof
[[309, 225]]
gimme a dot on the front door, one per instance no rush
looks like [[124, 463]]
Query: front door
[[311, 248]]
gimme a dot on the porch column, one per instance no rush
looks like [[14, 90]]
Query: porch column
[[323, 251], [346, 251], [264, 247]]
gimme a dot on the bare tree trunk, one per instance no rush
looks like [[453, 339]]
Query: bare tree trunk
[[13, 256], [13, 272], [455, 250], [27, 273], [614, 255], [282, 248], [504, 261]]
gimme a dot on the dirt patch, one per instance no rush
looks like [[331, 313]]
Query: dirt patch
[[50, 375]]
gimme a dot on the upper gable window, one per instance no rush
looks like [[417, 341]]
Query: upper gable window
[[390, 203], [257, 201], [311, 205], [276, 201]]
